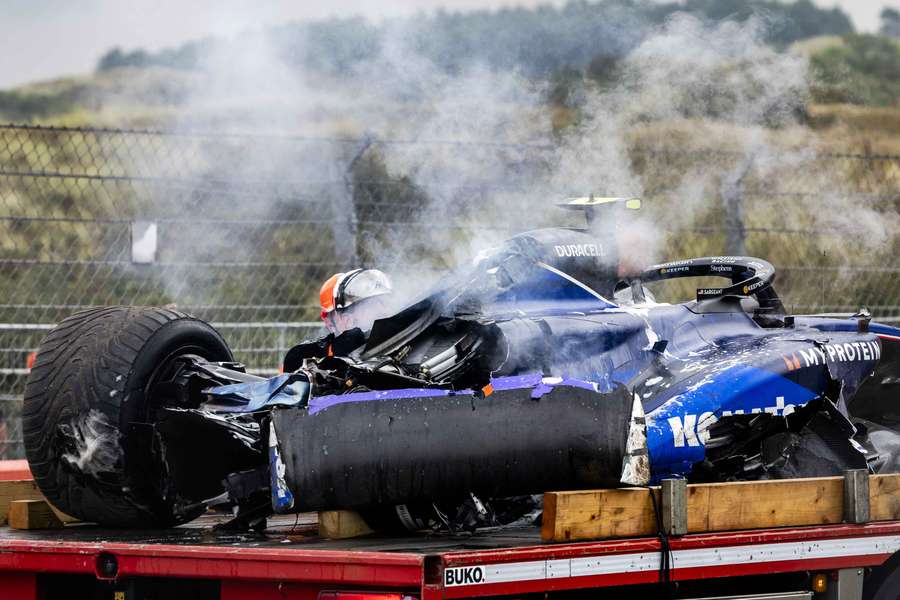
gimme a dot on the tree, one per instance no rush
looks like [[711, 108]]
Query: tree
[[115, 59], [890, 22], [865, 70], [110, 60], [534, 41]]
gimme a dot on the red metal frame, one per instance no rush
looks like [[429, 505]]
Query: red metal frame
[[649, 545], [393, 570], [11, 470], [302, 573]]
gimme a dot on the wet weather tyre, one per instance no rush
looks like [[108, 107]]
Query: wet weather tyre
[[87, 419]]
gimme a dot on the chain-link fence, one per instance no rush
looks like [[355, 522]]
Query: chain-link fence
[[241, 229]]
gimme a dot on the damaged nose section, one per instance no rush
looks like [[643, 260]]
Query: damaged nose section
[[377, 448]]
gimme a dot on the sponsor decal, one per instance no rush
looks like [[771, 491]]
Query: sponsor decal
[[673, 270], [693, 430], [570, 250], [676, 263], [780, 408], [721, 268], [724, 259], [463, 576], [791, 362], [842, 352], [753, 286]]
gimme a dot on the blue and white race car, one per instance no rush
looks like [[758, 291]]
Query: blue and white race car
[[536, 368]]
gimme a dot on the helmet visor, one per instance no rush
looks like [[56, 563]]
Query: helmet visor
[[359, 286]]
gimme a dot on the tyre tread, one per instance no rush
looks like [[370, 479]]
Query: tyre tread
[[85, 364]]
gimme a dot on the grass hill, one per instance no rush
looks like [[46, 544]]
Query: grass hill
[[855, 79]]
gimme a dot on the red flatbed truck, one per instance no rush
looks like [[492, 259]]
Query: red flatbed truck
[[290, 562]]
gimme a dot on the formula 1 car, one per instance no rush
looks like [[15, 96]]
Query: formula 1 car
[[535, 368]]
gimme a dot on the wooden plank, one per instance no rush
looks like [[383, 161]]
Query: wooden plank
[[341, 524], [884, 497], [761, 504], [598, 514], [25, 489], [595, 514], [32, 514]]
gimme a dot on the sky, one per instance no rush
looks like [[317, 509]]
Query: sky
[[44, 39]]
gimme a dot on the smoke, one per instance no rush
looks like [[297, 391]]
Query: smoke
[[690, 84], [686, 69]]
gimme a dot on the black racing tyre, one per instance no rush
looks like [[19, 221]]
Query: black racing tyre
[[87, 418]]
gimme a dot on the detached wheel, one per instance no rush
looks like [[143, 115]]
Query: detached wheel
[[88, 419]]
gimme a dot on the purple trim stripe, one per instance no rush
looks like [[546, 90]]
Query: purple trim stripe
[[539, 385]]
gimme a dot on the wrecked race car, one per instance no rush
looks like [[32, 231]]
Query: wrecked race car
[[536, 368]]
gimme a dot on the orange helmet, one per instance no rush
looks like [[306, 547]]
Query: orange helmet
[[326, 294]]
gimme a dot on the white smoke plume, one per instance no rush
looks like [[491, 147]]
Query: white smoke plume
[[688, 85]]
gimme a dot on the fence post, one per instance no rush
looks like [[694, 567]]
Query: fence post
[[733, 206], [345, 225]]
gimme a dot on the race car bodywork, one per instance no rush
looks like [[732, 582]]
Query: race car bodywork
[[535, 368]]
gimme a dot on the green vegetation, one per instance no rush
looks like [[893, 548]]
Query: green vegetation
[[581, 43], [536, 41], [17, 105], [865, 69], [890, 22]]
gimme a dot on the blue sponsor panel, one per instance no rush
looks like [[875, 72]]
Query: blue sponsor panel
[[677, 430]]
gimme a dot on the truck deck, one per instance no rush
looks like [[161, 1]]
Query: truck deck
[[290, 561], [285, 531], [842, 538]]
